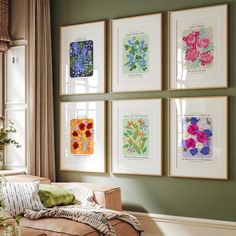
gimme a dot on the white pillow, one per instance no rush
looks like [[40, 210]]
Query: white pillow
[[21, 196]]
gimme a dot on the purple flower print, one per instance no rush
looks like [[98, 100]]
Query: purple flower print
[[205, 150], [194, 151], [74, 49], [197, 136], [81, 59], [207, 143], [193, 120], [192, 129], [201, 137], [130, 42], [84, 52], [190, 143], [79, 66], [207, 132]]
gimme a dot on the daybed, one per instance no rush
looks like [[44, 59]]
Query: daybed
[[106, 196]]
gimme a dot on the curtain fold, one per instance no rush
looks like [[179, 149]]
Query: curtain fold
[[41, 161], [4, 26]]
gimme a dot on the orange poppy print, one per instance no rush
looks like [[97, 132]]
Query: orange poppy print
[[82, 136]]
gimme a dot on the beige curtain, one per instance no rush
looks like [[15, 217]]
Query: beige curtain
[[41, 161], [4, 26]]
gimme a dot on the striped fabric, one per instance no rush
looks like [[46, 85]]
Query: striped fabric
[[4, 26], [82, 194], [88, 212], [17, 197]]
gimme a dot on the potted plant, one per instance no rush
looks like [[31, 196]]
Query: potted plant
[[5, 139], [9, 224]]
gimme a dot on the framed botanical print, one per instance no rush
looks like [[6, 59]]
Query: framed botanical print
[[82, 136], [82, 64], [198, 136], [198, 48], [137, 53], [137, 137]]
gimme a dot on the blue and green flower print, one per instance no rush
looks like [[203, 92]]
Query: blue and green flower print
[[135, 54], [81, 59]]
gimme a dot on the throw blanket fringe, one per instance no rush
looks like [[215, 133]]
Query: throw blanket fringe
[[88, 212]]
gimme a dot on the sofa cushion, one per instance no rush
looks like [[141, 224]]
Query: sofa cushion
[[17, 197], [51, 195], [58, 227]]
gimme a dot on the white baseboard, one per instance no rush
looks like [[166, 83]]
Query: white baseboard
[[165, 225]]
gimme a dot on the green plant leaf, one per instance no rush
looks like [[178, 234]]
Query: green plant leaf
[[136, 148], [135, 126], [129, 131], [131, 142], [144, 150], [127, 47], [145, 49], [135, 135], [143, 143], [144, 139]]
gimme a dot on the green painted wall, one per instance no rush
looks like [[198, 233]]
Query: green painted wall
[[214, 199]]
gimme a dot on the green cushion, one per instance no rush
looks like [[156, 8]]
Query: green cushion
[[51, 195]]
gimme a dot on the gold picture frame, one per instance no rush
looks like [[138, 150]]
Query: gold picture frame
[[124, 161], [85, 121], [89, 40], [186, 157], [198, 68], [147, 77]]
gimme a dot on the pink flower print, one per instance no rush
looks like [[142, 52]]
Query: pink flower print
[[192, 54], [192, 129], [206, 58], [190, 143], [191, 39], [203, 43], [201, 137]]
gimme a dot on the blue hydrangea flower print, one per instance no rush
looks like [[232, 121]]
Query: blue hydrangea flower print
[[135, 54], [207, 132], [205, 150], [194, 151], [193, 120], [81, 59]]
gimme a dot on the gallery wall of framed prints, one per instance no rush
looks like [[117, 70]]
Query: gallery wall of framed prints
[[198, 126]]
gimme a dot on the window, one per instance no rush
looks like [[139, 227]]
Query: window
[[15, 106], [15, 86]]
